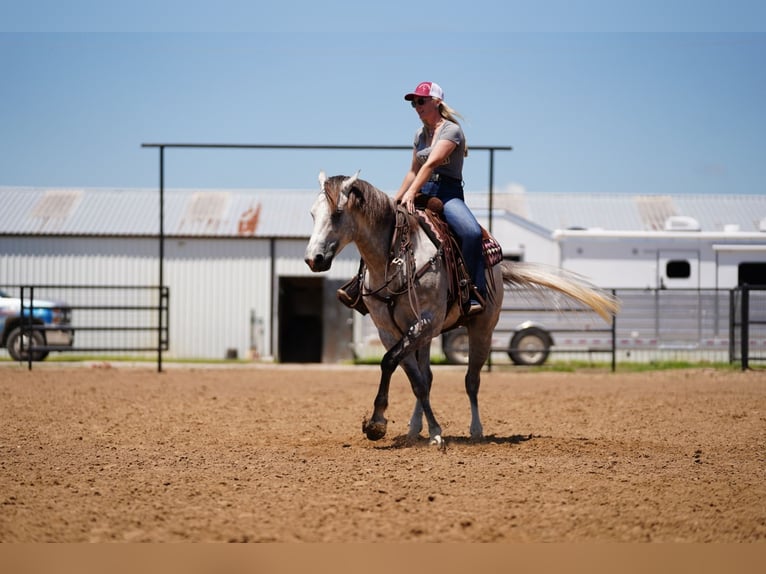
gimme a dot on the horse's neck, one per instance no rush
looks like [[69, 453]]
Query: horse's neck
[[375, 240]]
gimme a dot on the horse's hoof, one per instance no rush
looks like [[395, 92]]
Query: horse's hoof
[[373, 430], [436, 441]]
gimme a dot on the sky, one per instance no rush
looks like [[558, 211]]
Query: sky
[[650, 97]]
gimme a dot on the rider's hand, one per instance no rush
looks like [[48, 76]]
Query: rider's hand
[[408, 199]]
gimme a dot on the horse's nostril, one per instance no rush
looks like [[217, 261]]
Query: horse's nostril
[[315, 262]]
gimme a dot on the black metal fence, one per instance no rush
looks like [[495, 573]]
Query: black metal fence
[[701, 325], [714, 325], [115, 319], [531, 328], [748, 325]]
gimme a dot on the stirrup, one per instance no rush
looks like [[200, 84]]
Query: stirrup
[[350, 294], [476, 302], [474, 308]]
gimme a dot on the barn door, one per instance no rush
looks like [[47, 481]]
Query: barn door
[[300, 319], [313, 326]]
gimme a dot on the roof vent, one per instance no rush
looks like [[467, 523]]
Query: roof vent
[[731, 227], [681, 223]]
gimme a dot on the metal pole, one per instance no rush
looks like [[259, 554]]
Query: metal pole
[[614, 336], [491, 186], [745, 328], [162, 259], [489, 222], [274, 287], [30, 322], [732, 323]]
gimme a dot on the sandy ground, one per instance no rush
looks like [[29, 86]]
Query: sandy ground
[[109, 453]]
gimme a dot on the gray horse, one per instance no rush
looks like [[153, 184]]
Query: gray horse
[[407, 295]]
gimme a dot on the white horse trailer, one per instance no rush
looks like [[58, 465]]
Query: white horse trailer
[[674, 285], [665, 259]]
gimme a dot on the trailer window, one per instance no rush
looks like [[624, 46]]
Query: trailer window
[[678, 269], [752, 274]]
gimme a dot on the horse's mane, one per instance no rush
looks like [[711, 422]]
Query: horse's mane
[[363, 196]]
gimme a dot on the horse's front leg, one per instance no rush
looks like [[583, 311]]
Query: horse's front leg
[[375, 427], [424, 363], [420, 379]]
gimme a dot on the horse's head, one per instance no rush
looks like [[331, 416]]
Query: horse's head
[[333, 226]]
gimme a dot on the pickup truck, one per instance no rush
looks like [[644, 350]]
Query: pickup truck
[[53, 316]]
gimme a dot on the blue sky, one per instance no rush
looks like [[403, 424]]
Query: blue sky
[[625, 97]]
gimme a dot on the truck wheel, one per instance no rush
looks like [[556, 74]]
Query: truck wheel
[[530, 346], [14, 344], [455, 346]]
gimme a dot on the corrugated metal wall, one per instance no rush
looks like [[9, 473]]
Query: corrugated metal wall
[[220, 289], [216, 287]]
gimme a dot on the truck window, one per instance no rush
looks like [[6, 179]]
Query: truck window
[[752, 274], [678, 269]]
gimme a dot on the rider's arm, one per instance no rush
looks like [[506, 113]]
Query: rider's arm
[[420, 174]]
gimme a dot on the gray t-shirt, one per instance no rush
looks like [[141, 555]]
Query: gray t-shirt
[[453, 165]]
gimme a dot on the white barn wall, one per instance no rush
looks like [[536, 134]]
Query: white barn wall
[[87, 261], [220, 289], [288, 261], [68, 260], [215, 287]]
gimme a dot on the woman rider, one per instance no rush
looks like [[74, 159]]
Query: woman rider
[[437, 170]]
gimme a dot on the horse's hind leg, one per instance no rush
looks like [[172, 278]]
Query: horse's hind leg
[[472, 382], [479, 344]]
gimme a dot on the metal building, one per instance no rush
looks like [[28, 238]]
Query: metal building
[[233, 263]]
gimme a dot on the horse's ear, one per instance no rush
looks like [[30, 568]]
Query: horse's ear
[[349, 182], [345, 189], [322, 179]]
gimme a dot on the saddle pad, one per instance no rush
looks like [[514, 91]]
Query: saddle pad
[[435, 227], [493, 253]]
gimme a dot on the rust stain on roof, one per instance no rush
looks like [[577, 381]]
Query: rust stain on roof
[[248, 221]]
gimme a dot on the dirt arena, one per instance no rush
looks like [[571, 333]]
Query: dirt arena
[[276, 454]]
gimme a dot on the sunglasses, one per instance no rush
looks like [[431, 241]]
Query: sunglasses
[[419, 101]]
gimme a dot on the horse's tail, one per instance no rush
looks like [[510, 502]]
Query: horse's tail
[[539, 277]]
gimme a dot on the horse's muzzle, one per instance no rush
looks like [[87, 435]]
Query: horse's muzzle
[[318, 263]]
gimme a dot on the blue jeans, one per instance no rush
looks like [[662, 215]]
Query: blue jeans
[[462, 221]]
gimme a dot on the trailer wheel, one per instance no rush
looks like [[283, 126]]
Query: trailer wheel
[[530, 346], [455, 346]]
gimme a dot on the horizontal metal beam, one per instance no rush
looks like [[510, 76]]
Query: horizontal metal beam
[[302, 146]]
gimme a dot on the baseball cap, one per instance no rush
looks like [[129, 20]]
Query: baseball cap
[[426, 89]]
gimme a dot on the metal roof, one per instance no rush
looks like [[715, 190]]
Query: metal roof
[[135, 212], [629, 212], [285, 213]]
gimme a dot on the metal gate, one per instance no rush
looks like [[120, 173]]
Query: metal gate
[[748, 323], [98, 319]]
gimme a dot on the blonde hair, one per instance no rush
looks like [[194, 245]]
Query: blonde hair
[[449, 114]]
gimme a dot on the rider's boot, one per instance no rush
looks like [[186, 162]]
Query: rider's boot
[[350, 294], [476, 303]]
